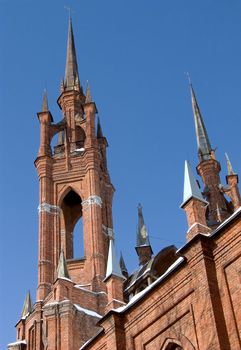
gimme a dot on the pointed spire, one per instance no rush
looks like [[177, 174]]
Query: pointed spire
[[203, 143], [71, 69], [88, 97], [229, 165], [99, 129], [62, 270], [27, 306], [191, 189], [123, 266], [45, 107], [142, 234], [113, 266]]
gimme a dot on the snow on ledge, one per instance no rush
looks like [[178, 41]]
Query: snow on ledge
[[18, 342], [79, 286], [87, 311], [90, 340], [226, 221], [146, 290]]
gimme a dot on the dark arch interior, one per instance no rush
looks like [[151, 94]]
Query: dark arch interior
[[71, 215]]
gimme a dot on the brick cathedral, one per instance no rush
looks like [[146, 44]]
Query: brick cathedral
[[188, 298]]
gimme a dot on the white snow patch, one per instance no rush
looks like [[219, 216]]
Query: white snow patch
[[18, 342], [79, 286], [143, 292], [87, 311], [226, 221]]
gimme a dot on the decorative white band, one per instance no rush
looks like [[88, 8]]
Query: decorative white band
[[92, 200], [108, 231], [51, 209]]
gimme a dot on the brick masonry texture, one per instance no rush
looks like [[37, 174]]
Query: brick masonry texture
[[188, 299]]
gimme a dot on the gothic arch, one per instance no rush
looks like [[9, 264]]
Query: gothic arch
[[70, 203], [173, 344], [65, 190]]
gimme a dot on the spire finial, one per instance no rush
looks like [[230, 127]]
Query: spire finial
[[189, 79], [45, 107], [142, 234], [191, 189], [62, 269], [229, 165], [88, 97], [27, 306], [71, 69], [203, 143]]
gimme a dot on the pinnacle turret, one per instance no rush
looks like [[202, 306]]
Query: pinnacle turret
[[45, 107], [71, 70], [88, 97], [62, 270], [191, 189], [113, 266], [203, 143], [27, 306], [123, 266], [229, 165], [142, 234]]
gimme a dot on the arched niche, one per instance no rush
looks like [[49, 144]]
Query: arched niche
[[71, 213], [80, 137]]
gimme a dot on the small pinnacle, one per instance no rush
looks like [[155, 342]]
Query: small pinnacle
[[62, 270], [113, 266], [229, 165], [142, 234], [27, 307], [88, 98], [45, 107], [122, 264]]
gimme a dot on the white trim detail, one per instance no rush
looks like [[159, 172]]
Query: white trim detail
[[108, 231], [49, 208], [91, 201]]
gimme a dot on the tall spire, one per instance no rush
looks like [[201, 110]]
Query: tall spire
[[142, 234], [191, 189], [71, 69], [62, 270], [203, 143], [229, 165], [45, 106], [27, 306]]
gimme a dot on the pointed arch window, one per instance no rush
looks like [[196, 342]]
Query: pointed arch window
[[71, 227]]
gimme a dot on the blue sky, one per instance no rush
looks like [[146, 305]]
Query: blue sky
[[134, 54]]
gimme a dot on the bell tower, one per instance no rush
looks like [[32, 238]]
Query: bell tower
[[74, 183]]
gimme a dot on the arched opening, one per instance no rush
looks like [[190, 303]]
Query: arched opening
[[80, 137], [71, 225], [78, 236], [57, 143], [173, 346]]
